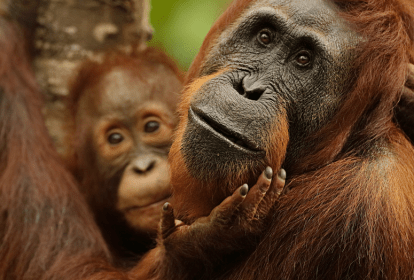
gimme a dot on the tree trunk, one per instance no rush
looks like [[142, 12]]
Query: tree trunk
[[67, 32]]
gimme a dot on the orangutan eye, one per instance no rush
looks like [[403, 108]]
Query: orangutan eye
[[303, 58], [115, 138], [151, 126], [264, 37]]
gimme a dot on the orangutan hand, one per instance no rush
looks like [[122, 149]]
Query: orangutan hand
[[231, 226]]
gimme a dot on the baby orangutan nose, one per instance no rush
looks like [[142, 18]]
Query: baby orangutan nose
[[144, 164]]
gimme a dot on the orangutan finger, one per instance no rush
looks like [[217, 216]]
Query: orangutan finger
[[280, 181], [226, 209], [167, 224], [272, 194], [257, 192]]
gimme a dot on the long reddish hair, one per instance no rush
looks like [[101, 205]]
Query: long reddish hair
[[46, 228], [350, 209]]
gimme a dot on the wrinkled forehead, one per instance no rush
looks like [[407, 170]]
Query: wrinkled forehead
[[303, 11], [320, 16], [318, 20]]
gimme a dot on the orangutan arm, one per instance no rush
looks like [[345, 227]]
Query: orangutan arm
[[189, 251]]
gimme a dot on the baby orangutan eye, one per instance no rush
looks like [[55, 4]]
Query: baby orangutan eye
[[115, 138], [151, 126]]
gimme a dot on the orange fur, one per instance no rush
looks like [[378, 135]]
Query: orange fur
[[46, 228], [350, 210], [175, 157]]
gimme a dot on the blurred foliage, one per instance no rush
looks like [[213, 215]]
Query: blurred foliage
[[181, 25]]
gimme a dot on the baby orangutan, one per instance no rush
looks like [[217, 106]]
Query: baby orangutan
[[123, 112]]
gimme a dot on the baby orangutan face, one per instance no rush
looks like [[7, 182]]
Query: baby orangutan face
[[129, 115]]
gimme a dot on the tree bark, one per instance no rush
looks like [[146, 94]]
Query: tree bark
[[68, 32]]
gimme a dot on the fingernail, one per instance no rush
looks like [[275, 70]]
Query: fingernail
[[282, 174], [244, 190], [166, 206], [268, 173]]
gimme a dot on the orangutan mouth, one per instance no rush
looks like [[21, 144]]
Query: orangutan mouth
[[156, 204], [223, 131]]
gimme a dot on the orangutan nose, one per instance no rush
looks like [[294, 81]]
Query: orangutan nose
[[252, 89], [144, 164]]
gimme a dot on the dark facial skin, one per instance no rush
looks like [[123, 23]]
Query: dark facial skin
[[129, 122], [281, 62]]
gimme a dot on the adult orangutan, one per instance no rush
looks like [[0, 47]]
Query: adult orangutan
[[46, 228], [310, 86]]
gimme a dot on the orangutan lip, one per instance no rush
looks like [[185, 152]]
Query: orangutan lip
[[235, 138], [159, 203]]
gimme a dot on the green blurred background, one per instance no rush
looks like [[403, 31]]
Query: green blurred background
[[181, 25]]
